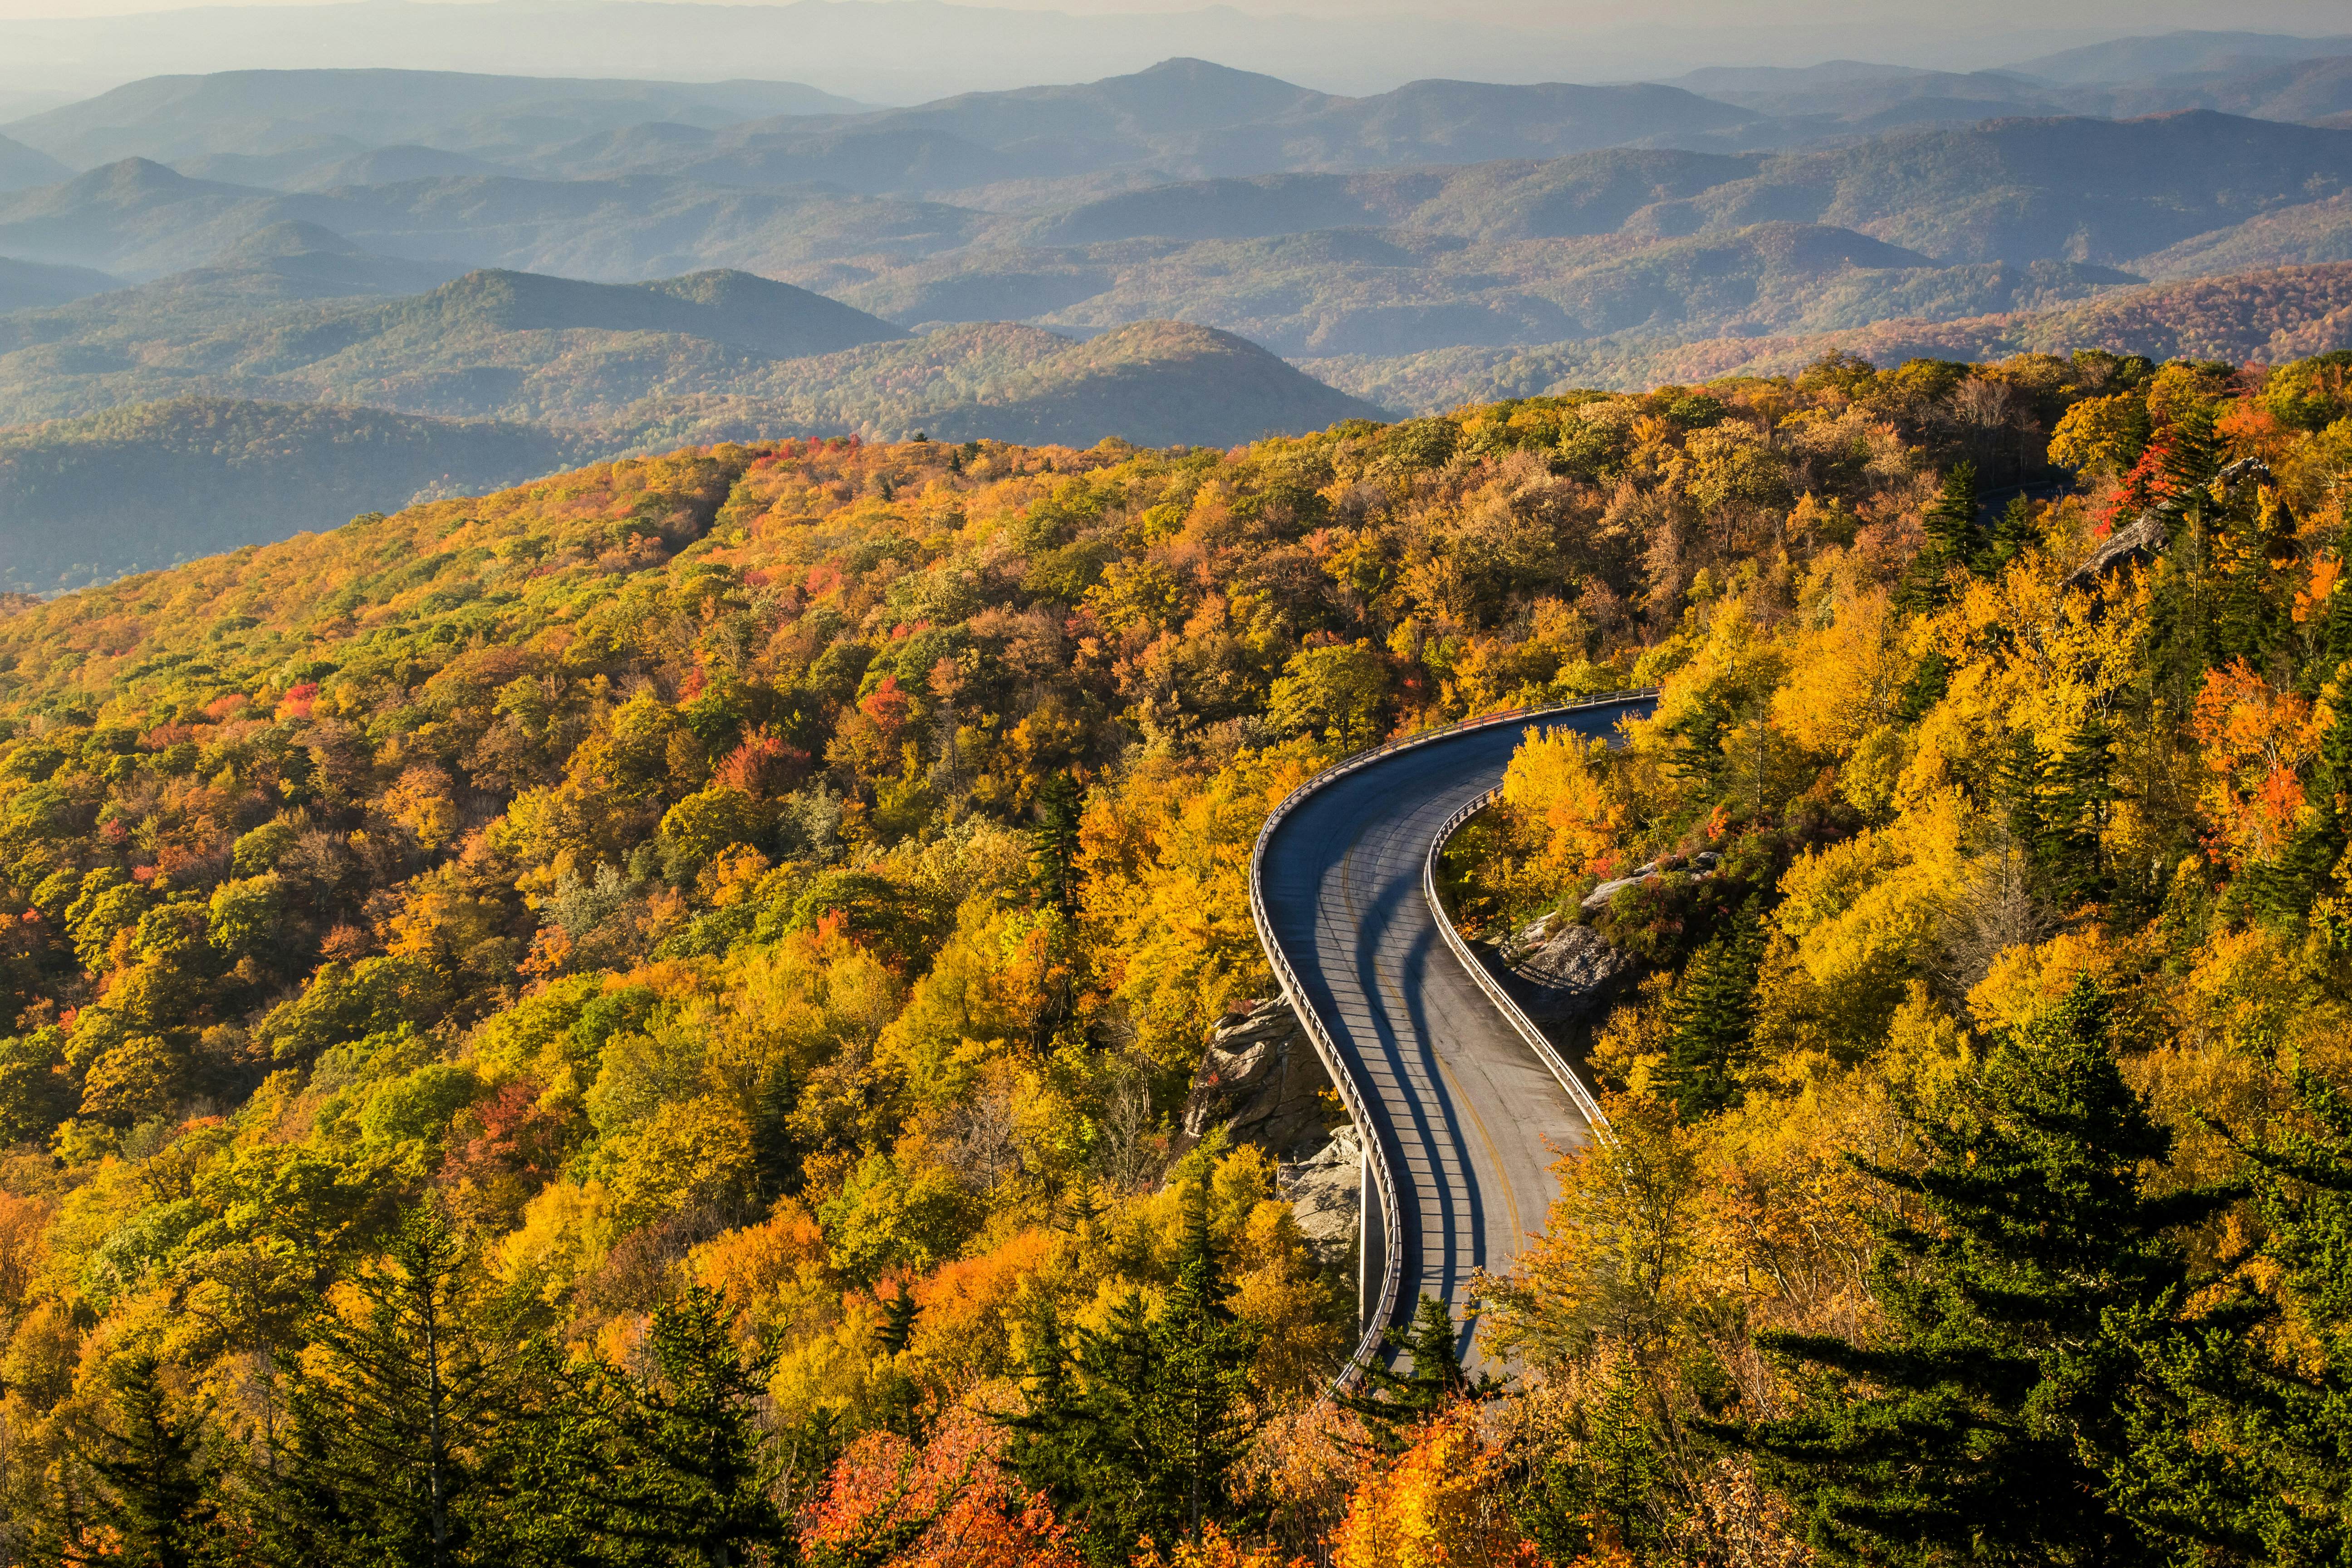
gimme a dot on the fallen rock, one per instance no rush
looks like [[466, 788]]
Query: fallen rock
[[1261, 1081], [1327, 1194]]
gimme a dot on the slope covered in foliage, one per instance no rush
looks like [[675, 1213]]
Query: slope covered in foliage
[[87, 500], [722, 938], [2269, 317]]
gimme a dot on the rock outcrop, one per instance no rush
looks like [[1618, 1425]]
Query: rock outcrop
[[1565, 972], [1327, 1194], [1702, 864], [2141, 540], [1262, 1083]]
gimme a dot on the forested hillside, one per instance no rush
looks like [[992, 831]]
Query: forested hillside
[[2268, 317], [649, 1017], [84, 500]]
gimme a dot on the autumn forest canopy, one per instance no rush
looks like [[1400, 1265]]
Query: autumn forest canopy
[[658, 1017]]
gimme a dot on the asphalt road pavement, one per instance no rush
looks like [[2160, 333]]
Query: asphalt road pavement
[[1470, 1119]]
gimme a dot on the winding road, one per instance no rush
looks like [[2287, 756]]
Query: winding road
[[1461, 1115]]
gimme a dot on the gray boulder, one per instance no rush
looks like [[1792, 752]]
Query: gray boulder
[[1593, 903]]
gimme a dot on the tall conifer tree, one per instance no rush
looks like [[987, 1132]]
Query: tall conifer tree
[[1983, 1425], [1391, 1402], [1711, 1018]]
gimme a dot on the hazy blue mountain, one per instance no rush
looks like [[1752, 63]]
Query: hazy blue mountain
[[1854, 95], [295, 260], [503, 344], [21, 166], [2306, 91], [257, 113], [29, 285], [1187, 117], [733, 309], [2135, 59], [137, 488], [2022, 190], [143, 485]]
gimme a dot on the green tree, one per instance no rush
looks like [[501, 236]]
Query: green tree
[[1953, 542], [152, 1495], [2012, 533], [1392, 1402], [1982, 1425], [1711, 1018], [701, 1480], [1335, 693], [1139, 1430], [1054, 845], [775, 1150], [387, 1441], [2239, 1439]]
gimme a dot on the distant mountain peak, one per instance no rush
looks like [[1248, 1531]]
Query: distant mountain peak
[[292, 238]]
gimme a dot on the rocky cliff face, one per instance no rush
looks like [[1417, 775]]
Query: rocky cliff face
[[1564, 973], [1262, 1083], [1327, 1194]]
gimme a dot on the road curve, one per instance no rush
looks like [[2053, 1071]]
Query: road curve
[[1460, 1117]]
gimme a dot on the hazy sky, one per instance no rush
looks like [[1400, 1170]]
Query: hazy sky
[[1875, 16], [905, 51]]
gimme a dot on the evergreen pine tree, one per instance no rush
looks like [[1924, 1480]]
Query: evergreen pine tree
[[1054, 845], [895, 1395], [563, 1473], [1197, 1414], [1392, 1402], [2055, 807], [898, 1314], [152, 1494], [2192, 455], [1142, 1431], [1953, 541], [1620, 1465], [2288, 887], [2332, 645], [2079, 792], [1982, 1425], [2013, 531], [2239, 1448], [1062, 1433], [1711, 1018], [1597, 1492], [775, 1152], [385, 1446], [701, 1477]]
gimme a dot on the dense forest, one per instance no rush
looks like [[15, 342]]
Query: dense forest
[[644, 1018]]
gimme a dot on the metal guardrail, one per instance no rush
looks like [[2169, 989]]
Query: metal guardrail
[[1546, 1052], [1351, 1093]]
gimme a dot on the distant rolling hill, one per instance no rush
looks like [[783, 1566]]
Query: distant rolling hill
[[21, 166], [89, 498], [489, 345], [29, 285], [312, 118], [2265, 316]]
